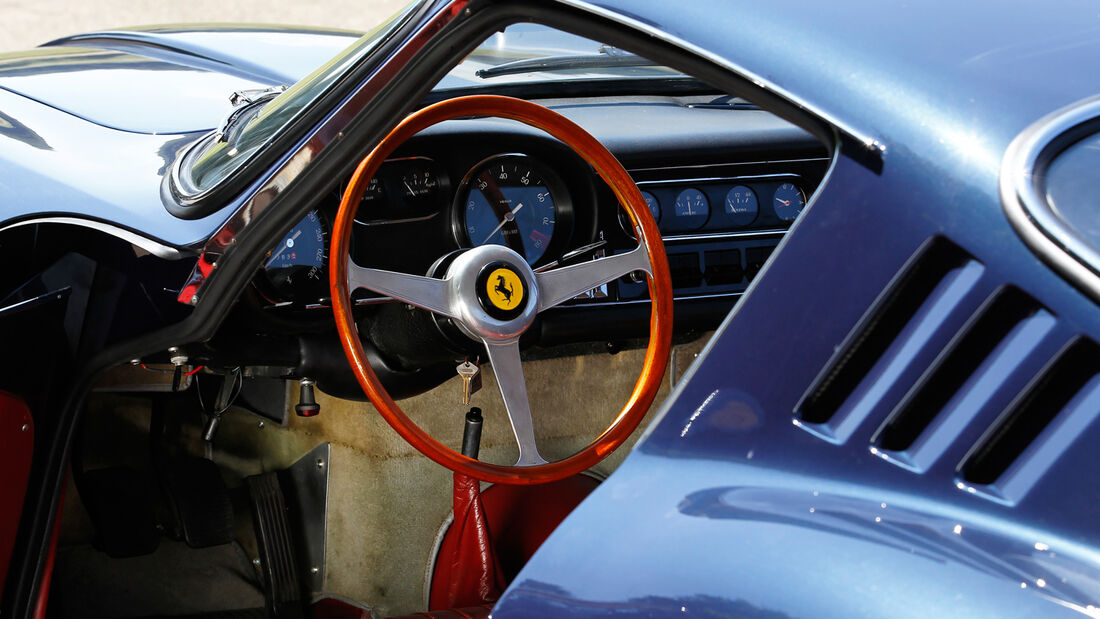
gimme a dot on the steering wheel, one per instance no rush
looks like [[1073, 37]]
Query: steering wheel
[[471, 294]]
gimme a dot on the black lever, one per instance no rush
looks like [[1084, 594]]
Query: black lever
[[471, 434], [307, 402], [221, 403]]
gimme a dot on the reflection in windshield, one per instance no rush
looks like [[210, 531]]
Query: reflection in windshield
[[216, 160], [539, 44], [219, 159]]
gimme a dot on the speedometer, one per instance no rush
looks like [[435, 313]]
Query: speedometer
[[295, 268], [513, 200]]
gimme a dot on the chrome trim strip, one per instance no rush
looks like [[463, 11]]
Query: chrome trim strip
[[703, 166], [1041, 229], [716, 179], [646, 300], [157, 249], [863, 138], [726, 236], [386, 222]]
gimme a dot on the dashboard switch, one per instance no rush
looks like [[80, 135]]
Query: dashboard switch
[[685, 270], [755, 257], [723, 267]]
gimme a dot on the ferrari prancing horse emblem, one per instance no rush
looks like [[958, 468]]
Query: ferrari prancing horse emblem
[[504, 289]]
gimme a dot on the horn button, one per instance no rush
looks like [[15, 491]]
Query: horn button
[[493, 292]]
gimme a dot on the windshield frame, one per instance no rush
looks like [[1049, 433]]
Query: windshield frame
[[304, 105]]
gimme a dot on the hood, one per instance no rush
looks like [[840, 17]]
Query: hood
[[165, 79]]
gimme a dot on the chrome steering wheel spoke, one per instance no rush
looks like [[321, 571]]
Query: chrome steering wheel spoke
[[504, 357], [425, 292], [560, 285]]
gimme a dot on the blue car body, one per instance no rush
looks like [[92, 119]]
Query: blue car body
[[854, 440], [732, 504]]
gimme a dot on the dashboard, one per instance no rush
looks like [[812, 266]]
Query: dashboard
[[723, 180]]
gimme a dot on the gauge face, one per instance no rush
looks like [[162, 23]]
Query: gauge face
[[653, 204], [788, 201], [691, 209], [741, 205], [372, 202], [419, 179], [654, 209], [296, 266], [515, 202]]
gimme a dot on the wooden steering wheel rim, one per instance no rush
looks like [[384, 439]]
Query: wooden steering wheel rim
[[660, 288]]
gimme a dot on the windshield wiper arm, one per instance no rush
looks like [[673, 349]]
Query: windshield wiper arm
[[564, 63], [242, 101]]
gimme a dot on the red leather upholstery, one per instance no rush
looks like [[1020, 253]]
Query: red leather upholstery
[[489, 543], [474, 576], [17, 439]]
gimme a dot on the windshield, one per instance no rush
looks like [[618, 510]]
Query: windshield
[[531, 53], [519, 54], [218, 158]]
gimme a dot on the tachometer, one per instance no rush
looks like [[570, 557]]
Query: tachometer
[[296, 267], [514, 201]]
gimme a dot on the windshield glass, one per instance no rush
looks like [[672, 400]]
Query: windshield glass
[[520, 54], [531, 53], [218, 159]]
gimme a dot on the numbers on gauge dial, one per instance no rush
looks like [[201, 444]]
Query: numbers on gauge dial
[[741, 205], [510, 203]]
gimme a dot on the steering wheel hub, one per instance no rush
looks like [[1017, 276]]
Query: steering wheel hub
[[493, 293]]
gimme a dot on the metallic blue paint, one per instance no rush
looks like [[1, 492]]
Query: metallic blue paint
[[728, 506], [156, 82], [147, 93]]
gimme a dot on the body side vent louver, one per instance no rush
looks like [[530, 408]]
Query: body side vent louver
[[912, 308], [1042, 422], [954, 390]]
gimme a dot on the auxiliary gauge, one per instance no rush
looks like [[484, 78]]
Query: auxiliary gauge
[[788, 201]]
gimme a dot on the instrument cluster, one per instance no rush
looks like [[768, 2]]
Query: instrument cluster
[[549, 207]]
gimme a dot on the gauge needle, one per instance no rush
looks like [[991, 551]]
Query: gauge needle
[[509, 216], [289, 243], [783, 202]]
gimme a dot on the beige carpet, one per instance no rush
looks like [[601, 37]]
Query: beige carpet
[[387, 501]]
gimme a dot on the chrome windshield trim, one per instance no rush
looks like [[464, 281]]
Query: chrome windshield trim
[[329, 130], [159, 250], [1041, 229], [864, 138]]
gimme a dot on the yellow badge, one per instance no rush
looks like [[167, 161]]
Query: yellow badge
[[504, 289]]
